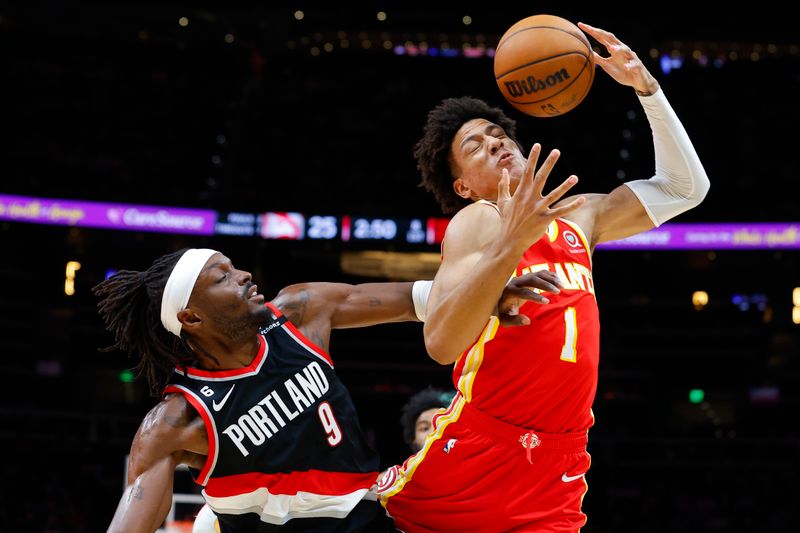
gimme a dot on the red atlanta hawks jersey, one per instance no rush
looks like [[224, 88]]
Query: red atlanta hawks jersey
[[542, 376]]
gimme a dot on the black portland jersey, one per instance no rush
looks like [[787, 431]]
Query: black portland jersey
[[284, 440]]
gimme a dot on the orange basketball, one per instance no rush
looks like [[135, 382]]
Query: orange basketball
[[544, 65]]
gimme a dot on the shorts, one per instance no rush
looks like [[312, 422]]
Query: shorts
[[477, 473]]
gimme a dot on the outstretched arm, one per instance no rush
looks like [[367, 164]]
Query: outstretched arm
[[680, 182], [317, 308], [158, 447]]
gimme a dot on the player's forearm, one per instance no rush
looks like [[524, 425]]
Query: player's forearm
[[456, 318], [146, 501], [369, 304], [136, 516], [680, 181]]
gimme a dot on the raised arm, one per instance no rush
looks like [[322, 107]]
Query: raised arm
[[680, 181], [164, 440]]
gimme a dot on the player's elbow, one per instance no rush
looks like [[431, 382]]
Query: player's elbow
[[438, 348], [693, 195], [703, 186]]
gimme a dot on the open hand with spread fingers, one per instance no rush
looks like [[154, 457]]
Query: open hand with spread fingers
[[622, 64], [527, 213]]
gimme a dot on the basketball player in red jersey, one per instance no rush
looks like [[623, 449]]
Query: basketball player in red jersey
[[509, 454], [251, 402]]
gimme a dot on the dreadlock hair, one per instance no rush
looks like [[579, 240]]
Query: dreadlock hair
[[432, 151], [423, 400], [130, 306]]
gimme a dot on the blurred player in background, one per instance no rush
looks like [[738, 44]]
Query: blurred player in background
[[418, 415]]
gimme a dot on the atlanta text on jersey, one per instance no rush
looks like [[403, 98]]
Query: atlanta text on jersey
[[574, 276]]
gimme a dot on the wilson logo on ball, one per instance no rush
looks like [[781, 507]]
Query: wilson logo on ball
[[531, 85], [544, 65]]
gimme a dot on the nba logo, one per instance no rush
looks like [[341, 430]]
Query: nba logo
[[449, 446]]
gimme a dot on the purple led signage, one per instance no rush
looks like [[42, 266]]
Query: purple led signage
[[103, 215], [672, 236], [742, 236]]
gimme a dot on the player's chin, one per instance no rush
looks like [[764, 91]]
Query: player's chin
[[260, 313]]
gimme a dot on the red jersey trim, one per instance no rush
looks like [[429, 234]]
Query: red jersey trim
[[470, 361], [211, 430], [301, 339], [405, 473], [224, 375], [311, 481]]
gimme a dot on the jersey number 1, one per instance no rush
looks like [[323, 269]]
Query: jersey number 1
[[569, 351], [329, 423]]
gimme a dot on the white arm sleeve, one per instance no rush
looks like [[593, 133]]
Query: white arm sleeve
[[680, 182], [420, 291]]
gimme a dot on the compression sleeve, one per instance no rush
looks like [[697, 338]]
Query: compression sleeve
[[680, 182]]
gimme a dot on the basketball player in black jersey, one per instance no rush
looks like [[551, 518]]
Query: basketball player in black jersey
[[250, 399]]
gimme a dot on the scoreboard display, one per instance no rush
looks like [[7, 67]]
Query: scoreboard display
[[349, 228], [405, 230]]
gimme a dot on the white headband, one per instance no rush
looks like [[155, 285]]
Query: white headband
[[179, 286]]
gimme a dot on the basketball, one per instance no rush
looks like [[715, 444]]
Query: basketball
[[544, 65]]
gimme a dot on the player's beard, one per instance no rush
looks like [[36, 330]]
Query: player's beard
[[244, 326]]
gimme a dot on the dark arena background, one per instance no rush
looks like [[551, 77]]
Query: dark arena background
[[283, 135]]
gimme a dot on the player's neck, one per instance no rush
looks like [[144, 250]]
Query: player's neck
[[226, 354]]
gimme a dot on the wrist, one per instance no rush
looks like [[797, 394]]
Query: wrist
[[648, 90]]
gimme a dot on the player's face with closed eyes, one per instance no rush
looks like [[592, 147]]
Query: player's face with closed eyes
[[227, 297], [479, 152]]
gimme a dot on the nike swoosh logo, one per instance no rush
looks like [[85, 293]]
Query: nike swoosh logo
[[218, 406], [566, 479]]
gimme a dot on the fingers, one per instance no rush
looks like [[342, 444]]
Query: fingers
[[559, 191], [605, 37], [544, 280], [533, 159], [544, 171], [568, 207], [524, 293], [510, 321], [551, 277]]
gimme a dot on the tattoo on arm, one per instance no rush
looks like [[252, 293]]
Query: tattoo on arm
[[374, 302], [295, 309], [317, 339]]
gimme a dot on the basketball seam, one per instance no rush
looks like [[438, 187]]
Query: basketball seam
[[497, 78], [582, 38]]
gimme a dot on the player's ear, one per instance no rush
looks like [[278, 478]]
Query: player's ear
[[189, 320], [461, 188]]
